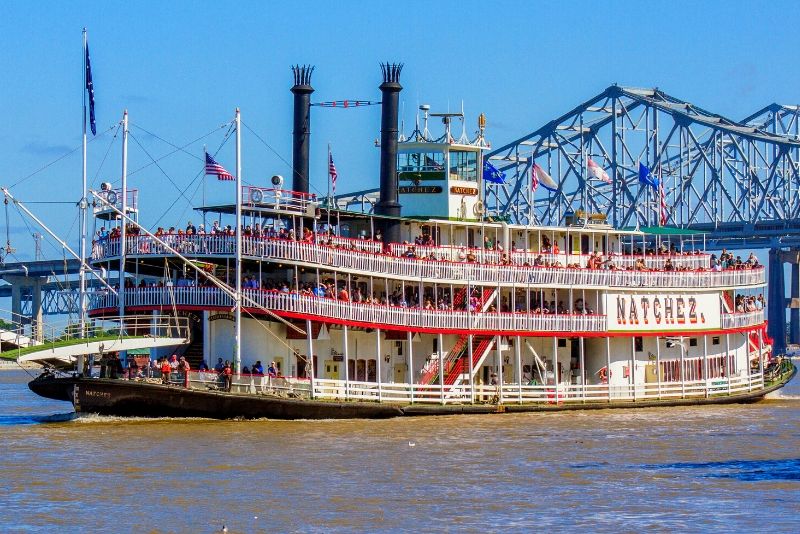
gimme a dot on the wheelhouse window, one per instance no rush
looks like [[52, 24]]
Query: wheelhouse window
[[420, 162], [463, 165]]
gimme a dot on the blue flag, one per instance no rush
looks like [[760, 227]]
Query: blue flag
[[492, 174], [90, 90], [646, 178]]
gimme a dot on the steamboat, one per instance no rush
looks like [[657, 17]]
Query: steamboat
[[420, 303]]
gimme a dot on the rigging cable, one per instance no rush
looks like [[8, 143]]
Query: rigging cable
[[277, 154], [198, 175], [18, 182]]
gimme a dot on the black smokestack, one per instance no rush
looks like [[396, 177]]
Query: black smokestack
[[388, 203], [302, 126]]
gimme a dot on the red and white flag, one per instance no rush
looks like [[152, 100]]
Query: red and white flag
[[332, 172], [215, 169], [534, 178], [542, 178], [598, 172]]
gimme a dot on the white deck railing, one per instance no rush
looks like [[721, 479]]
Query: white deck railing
[[520, 257], [362, 260], [210, 297], [403, 393], [741, 320]]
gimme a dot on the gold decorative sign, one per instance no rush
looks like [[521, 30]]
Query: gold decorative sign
[[221, 316], [417, 189], [459, 190]]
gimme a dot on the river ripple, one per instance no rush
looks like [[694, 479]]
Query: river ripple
[[669, 469]]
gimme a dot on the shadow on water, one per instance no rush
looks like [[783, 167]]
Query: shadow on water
[[744, 470], [9, 420]]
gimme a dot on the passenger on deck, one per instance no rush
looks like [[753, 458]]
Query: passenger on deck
[[258, 369], [227, 375], [166, 369], [183, 369], [220, 365]]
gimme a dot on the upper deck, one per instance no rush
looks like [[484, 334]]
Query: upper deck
[[450, 264]]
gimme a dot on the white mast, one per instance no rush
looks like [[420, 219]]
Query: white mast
[[237, 354], [123, 224], [83, 205]]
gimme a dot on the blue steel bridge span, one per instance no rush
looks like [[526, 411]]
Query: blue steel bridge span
[[738, 181]]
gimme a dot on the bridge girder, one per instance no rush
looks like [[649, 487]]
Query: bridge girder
[[716, 172]]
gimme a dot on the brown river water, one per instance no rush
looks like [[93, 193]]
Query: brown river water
[[726, 468]]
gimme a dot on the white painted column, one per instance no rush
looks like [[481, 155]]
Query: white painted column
[[439, 347], [658, 367], [705, 364], [410, 365], [346, 363], [582, 353], [760, 357], [556, 378], [471, 370], [310, 356], [518, 354], [727, 361], [378, 362], [499, 366], [608, 368], [632, 370], [683, 368]]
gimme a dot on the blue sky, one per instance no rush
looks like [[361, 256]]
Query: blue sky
[[181, 68]]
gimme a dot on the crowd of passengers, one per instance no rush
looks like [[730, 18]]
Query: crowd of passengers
[[596, 260], [749, 303], [442, 299]]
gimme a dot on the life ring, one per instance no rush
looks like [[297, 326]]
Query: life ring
[[111, 197], [604, 374], [256, 196], [477, 209]]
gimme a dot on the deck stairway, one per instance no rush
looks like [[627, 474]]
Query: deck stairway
[[456, 361]]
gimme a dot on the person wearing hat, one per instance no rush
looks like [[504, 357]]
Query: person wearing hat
[[272, 373], [183, 368]]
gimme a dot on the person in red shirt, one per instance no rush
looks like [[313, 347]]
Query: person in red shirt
[[227, 374], [166, 369]]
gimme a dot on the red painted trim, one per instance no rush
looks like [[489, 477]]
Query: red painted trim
[[383, 326]]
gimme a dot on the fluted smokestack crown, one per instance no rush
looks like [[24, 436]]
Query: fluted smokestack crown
[[301, 136], [388, 203]]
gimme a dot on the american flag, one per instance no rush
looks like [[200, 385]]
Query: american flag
[[214, 168], [332, 171], [534, 178]]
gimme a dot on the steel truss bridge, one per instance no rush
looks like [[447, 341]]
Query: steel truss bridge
[[739, 181]]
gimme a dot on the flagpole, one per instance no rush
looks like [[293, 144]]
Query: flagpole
[[83, 205], [205, 151], [237, 354], [328, 166], [123, 224]]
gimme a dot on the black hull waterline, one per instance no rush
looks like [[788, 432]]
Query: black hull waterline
[[141, 399]]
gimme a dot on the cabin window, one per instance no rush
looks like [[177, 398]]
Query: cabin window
[[692, 341], [464, 166], [562, 342], [638, 344], [715, 340], [420, 162]]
